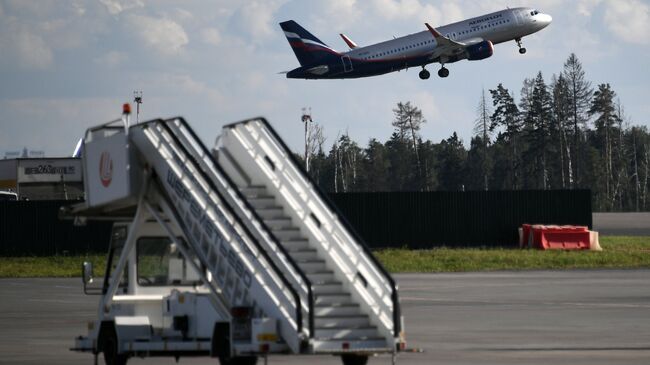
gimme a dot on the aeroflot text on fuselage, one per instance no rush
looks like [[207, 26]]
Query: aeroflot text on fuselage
[[471, 39]]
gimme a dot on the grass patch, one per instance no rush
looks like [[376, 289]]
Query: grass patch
[[50, 266], [618, 252]]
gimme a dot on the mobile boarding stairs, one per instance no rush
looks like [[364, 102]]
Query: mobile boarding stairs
[[260, 232]]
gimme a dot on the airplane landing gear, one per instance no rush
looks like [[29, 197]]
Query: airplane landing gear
[[424, 74], [443, 72], [522, 50]]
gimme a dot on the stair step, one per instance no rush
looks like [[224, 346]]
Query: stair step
[[321, 277], [312, 266], [334, 298], [304, 255], [368, 344], [253, 191], [348, 332], [342, 321], [262, 202], [287, 234], [295, 244], [333, 287], [270, 212], [337, 310], [278, 223]]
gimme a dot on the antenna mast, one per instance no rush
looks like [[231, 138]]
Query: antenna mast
[[306, 118], [137, 98]]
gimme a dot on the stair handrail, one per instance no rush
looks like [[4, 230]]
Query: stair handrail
[[346, 224], [264, 253]]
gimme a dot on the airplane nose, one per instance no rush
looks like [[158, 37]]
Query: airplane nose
[[545, 19]]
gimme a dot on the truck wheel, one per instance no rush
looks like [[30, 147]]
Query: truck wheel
[[241, 360], [111, 357], [350, 359]]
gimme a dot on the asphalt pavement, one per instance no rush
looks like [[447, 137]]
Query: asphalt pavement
[[622, 224], [533, 317]]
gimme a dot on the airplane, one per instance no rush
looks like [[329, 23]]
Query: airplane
[[472, 39]]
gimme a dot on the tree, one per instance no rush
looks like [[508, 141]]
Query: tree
[[401, 166], [506, 118], [579, 98], [375, 165], [603, 108], [451, 164], [538, 127], [407, 122], [483, 133], [477, 166], [562, 113]]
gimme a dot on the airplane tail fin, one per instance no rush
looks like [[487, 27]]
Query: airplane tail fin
[[306, 46]]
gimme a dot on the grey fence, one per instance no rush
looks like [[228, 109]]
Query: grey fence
[[474, 218], [400, 219], [32, 228]]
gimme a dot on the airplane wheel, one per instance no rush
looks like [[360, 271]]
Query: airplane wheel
[[443, 72], [424, 74], [522, 50]]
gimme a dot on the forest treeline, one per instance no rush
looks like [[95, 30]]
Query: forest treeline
[[563, 133]]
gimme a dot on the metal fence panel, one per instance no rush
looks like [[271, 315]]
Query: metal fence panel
[[422, 220], [32, 228]]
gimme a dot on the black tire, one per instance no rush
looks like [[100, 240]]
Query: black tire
[[109, 348], [424, 74], [241, 360], [522, 50], [351, 359], [443, 72]]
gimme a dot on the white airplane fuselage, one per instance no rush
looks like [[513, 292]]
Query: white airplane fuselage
[[467, 39]]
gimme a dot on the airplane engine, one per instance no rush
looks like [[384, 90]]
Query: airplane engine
[[480, 51]]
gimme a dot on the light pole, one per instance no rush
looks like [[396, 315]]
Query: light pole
[[137, 98], [306, 118]]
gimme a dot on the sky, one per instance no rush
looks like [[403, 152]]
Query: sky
[[68, 65]]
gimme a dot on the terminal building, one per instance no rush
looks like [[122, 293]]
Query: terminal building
[[42, 178]]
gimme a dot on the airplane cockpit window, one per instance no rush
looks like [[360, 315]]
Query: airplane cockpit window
[[534, 12]]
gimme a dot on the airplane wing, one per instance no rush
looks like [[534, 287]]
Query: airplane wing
[[448, 47], [348, 41]]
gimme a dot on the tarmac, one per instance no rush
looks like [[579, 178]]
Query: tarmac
[[622, 224], [532, 317]]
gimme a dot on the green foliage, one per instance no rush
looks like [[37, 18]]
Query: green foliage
[[52, 266], [618, 252], [545, 141]]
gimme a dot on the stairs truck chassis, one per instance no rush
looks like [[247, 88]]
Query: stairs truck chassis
[[231, 252]]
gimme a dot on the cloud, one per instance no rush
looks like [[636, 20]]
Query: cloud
[[111, 59], [406, 9], [629, 20], [255, 20], [586, 7], [52, 125], [164, 35], [25, 49], [116, 7], [211, 36]]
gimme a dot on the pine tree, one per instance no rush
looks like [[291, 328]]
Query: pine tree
[[603, 108], [408, 121], [483, 133], [451, 164], [579, 98], [562, 112], [375, 166], [538, 126], [506, 118]]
